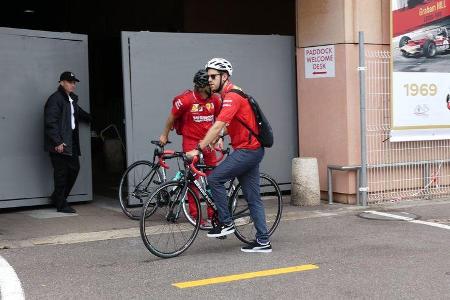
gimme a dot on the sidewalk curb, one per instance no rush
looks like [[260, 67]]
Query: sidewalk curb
[[84, 237]]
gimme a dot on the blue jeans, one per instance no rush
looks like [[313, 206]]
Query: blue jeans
[[243, 164]]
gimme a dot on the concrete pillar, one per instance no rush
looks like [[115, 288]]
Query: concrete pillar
[[328, 108], [305, 188]]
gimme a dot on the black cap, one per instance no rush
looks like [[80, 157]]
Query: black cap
[[68, 76]]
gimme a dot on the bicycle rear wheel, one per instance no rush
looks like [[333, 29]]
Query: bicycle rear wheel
[[136, 185], [165, 230], [273, 207]]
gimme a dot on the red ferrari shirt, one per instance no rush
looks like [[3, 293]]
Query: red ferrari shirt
[[236, 108], [197, 114]]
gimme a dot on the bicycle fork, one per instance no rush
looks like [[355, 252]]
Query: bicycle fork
[[174, 211]]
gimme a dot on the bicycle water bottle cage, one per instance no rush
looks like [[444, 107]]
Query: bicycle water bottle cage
[[178, 176]]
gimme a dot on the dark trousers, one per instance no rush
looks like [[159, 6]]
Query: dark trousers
[[65, 174], [243, 164]]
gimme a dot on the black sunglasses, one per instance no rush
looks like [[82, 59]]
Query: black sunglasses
[[213, 76]]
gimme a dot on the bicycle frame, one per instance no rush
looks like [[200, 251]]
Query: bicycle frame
[[204, 194], [190, 178], [157, 153]]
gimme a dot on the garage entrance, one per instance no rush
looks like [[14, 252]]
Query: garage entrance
[[103, 23]]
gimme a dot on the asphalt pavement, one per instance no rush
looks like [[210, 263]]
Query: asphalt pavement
[[354, 258]]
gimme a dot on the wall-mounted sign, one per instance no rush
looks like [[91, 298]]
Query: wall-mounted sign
[[320, 62]]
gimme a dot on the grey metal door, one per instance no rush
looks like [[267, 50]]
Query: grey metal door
[[158, 66], [30, 65]]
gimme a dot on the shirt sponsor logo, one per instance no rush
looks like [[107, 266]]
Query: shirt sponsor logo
[[227, 103], [196, 108], [201, 119], [178, 104]]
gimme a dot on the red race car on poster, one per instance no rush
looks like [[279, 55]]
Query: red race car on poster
[[428, 46]]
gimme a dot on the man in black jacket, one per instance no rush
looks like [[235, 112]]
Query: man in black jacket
[[62, 115]]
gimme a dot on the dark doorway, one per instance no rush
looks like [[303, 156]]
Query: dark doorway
[[103, 22]]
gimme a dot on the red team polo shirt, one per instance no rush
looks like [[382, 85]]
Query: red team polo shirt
[[236, 107], [198, 114]]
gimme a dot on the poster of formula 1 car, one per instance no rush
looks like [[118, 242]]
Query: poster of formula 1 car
[[420, 56], [428, 46], [426, 49]]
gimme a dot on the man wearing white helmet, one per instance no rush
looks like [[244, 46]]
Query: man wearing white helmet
[[243, 162]]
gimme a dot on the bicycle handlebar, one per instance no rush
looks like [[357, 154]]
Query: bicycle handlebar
[[196, 159], [194, 169], [158, 143], [169, 154]]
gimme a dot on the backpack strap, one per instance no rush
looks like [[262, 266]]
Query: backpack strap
[[251, 132]]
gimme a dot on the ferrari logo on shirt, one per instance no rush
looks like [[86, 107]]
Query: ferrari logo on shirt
[[209, 106]]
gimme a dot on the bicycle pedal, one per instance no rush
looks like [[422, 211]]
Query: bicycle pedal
[[221, 237]]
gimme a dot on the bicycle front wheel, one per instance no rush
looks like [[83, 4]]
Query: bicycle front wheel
[[273, 206], [136, 185], [165, 230]]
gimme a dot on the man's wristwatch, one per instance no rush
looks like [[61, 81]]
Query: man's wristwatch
[[199, 148]]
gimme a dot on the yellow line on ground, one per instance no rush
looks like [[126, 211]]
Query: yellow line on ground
[[222, 279]]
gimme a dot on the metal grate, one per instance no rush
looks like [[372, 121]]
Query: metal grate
[[401, 170]]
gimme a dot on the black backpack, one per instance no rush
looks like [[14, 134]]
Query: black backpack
[[265, 136]]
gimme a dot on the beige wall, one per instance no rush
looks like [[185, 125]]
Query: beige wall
[[329, 107], [320, 22], [323, 22]]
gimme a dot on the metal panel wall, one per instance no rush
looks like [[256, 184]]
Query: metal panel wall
[[158, 66], [31, 62]]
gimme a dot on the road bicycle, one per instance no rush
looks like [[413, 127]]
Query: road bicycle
[[166, 228], [141, 178], [139, 181]]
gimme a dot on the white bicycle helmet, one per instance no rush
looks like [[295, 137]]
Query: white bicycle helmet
[[219, 64]]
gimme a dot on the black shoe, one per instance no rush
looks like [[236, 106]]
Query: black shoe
[[257, 247], [67, 210], [221, 230]]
